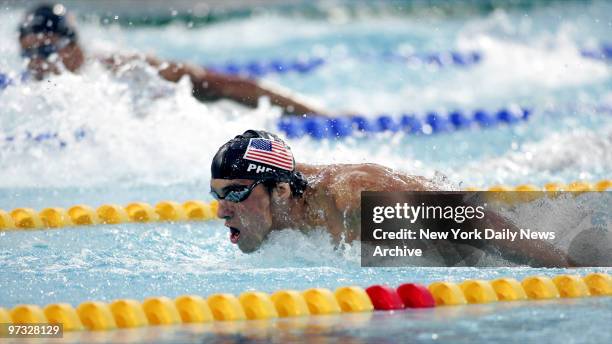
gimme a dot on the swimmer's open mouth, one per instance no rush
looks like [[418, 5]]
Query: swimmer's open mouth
[[234, 235]]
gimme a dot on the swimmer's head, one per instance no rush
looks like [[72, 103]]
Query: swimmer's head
[[48, 38], [250, 175]]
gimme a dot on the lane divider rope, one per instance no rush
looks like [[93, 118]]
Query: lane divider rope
[[576, 186], [255, 305], [455, 58], [257, 69], [195, 210], [84, 215], [11, 141], [319, 127]]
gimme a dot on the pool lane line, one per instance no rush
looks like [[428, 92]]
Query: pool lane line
[[84, 215], [255, 305], [320, 127], [195, 210], [454, 58], [258, 69], [575, 186], [434, 122]]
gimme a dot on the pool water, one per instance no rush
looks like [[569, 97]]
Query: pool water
[[134, 137]]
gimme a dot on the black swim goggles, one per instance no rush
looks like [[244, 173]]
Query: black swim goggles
[[45, 50], [237, 193]]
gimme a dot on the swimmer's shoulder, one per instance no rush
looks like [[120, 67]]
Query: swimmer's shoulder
[[376, 177], [336, 174], [325, 181], [318, 173], [339, 169], [347, 181], [394, 180], [367, 176]]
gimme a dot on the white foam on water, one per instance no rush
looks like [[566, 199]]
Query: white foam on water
[[296, 248], [557, 155], [137, 127]]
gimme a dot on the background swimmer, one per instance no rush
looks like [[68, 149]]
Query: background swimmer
[[48, 39]]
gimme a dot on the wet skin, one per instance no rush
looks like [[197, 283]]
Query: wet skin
[[252, 217], [332, 201]]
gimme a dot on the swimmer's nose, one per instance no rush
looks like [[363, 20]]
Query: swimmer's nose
[[225, 210]]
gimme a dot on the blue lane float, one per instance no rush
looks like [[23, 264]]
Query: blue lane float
[[275, 66], [4, 81], [321, 128], [49, 137], [439, 59], [303, 66], [433, 122], [604, 52]]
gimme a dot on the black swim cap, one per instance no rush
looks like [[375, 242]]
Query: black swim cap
[[257, 154], [48, 18]]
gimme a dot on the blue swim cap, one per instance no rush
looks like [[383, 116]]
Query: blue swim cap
[[48, 18]]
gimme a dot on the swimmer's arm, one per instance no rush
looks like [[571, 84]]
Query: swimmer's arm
[[346, 190], [209, 85], [246, 91], [537, 252]]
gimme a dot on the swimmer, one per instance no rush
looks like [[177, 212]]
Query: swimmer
[[261, 189], [49, 41]]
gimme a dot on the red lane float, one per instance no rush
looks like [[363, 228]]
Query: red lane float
[[384, 298], [415, 296]]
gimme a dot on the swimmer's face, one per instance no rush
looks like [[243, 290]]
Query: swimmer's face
[[249, 221], [45, 52]]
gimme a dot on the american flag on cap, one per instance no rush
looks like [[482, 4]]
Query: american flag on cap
[[270, 152]]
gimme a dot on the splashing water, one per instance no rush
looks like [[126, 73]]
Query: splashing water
[[139, 137]]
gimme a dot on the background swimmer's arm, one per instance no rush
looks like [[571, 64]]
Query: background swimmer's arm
[[208, 85], [246, 91]]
